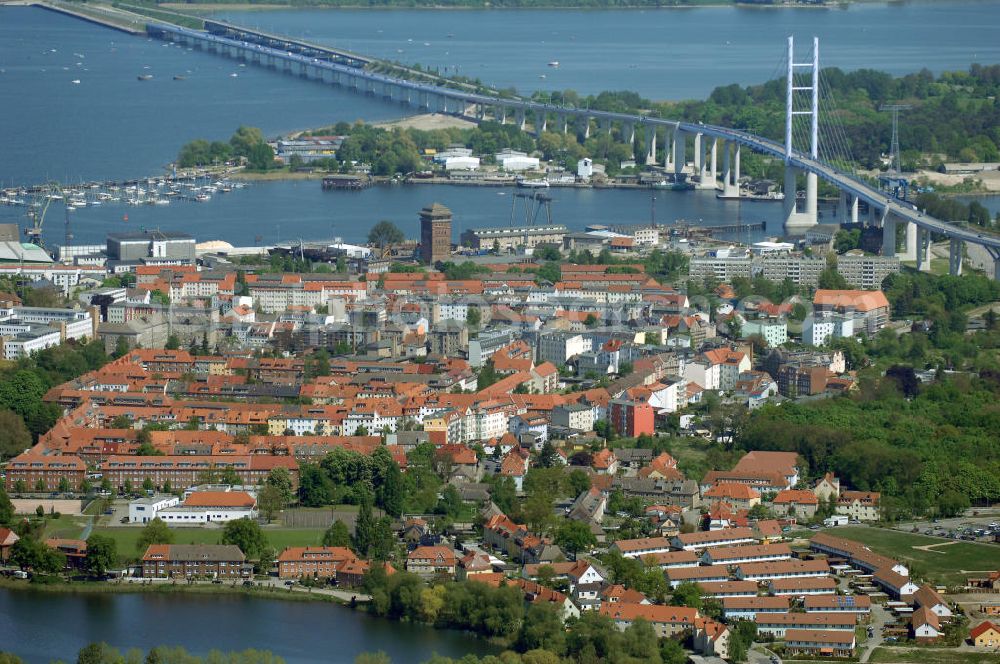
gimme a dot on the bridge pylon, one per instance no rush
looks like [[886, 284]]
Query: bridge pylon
[[796, 220]]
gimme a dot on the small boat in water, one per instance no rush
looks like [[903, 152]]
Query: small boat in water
[[178, 77], [554, 64], [75, 81], [145, 77]]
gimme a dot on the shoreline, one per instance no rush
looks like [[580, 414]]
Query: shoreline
[[111, 588]]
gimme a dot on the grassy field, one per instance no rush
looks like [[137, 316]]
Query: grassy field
[[127, 537], [936, 655], [65, 527], [943, 564]]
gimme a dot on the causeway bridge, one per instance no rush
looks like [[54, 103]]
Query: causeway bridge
[[714, 150]]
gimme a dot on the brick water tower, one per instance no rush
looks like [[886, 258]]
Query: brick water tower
[[435, 234]]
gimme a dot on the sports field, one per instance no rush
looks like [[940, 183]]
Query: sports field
[[942, 560]]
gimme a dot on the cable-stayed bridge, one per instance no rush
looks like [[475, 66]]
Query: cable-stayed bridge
[[715, 151]]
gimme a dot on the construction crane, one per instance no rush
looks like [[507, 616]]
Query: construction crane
[[39, 207]]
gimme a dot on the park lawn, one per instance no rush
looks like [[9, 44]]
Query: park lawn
[[65, 527], [936, 655], [944, 564]]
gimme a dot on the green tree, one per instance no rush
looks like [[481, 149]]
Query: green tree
[[315, 488], [687, 594], [247, 535], [102, 554], [173, 342], [14, 436], [281, 479], [952, 503], [392, 491], [244, 140], [29, 553], [830, 278], [154, 532], [337, 535], [6, 508], [270, 501], [474, 318], [383, 540], [578, 481], [385, 233], [543, 629], [364, 526], [575, 536]]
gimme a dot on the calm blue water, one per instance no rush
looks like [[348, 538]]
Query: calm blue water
[[663, 54], [42, 627], [111, 125], [301, 209]]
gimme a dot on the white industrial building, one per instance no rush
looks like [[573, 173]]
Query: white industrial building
[[203, 507], [461, 163], [512, 160], [144, 510]]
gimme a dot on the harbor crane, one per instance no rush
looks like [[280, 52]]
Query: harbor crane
[[38, 208]]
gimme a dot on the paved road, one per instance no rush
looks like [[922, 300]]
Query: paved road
[[879, 618]]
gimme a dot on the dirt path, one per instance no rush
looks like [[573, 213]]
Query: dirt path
[[932, 548]]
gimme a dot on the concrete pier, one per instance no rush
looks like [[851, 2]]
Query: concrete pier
[[955, 249], [889, 235], [680, 151], [796, 221]]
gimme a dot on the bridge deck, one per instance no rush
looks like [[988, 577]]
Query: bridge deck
[[843, 181]]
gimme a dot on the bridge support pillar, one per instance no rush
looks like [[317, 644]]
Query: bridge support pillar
[[604, 125], [520, 119], [910, 242], [923, 250], [650, 146], [701, 156], [564, 123], [889, 236], [995, 255], [680, 152], [736, 167], [812, 192], [541, 122], [730, 170], [955, 249], [715, 163], [501, 115], [796, 223], [628, 132], [854, 209]]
